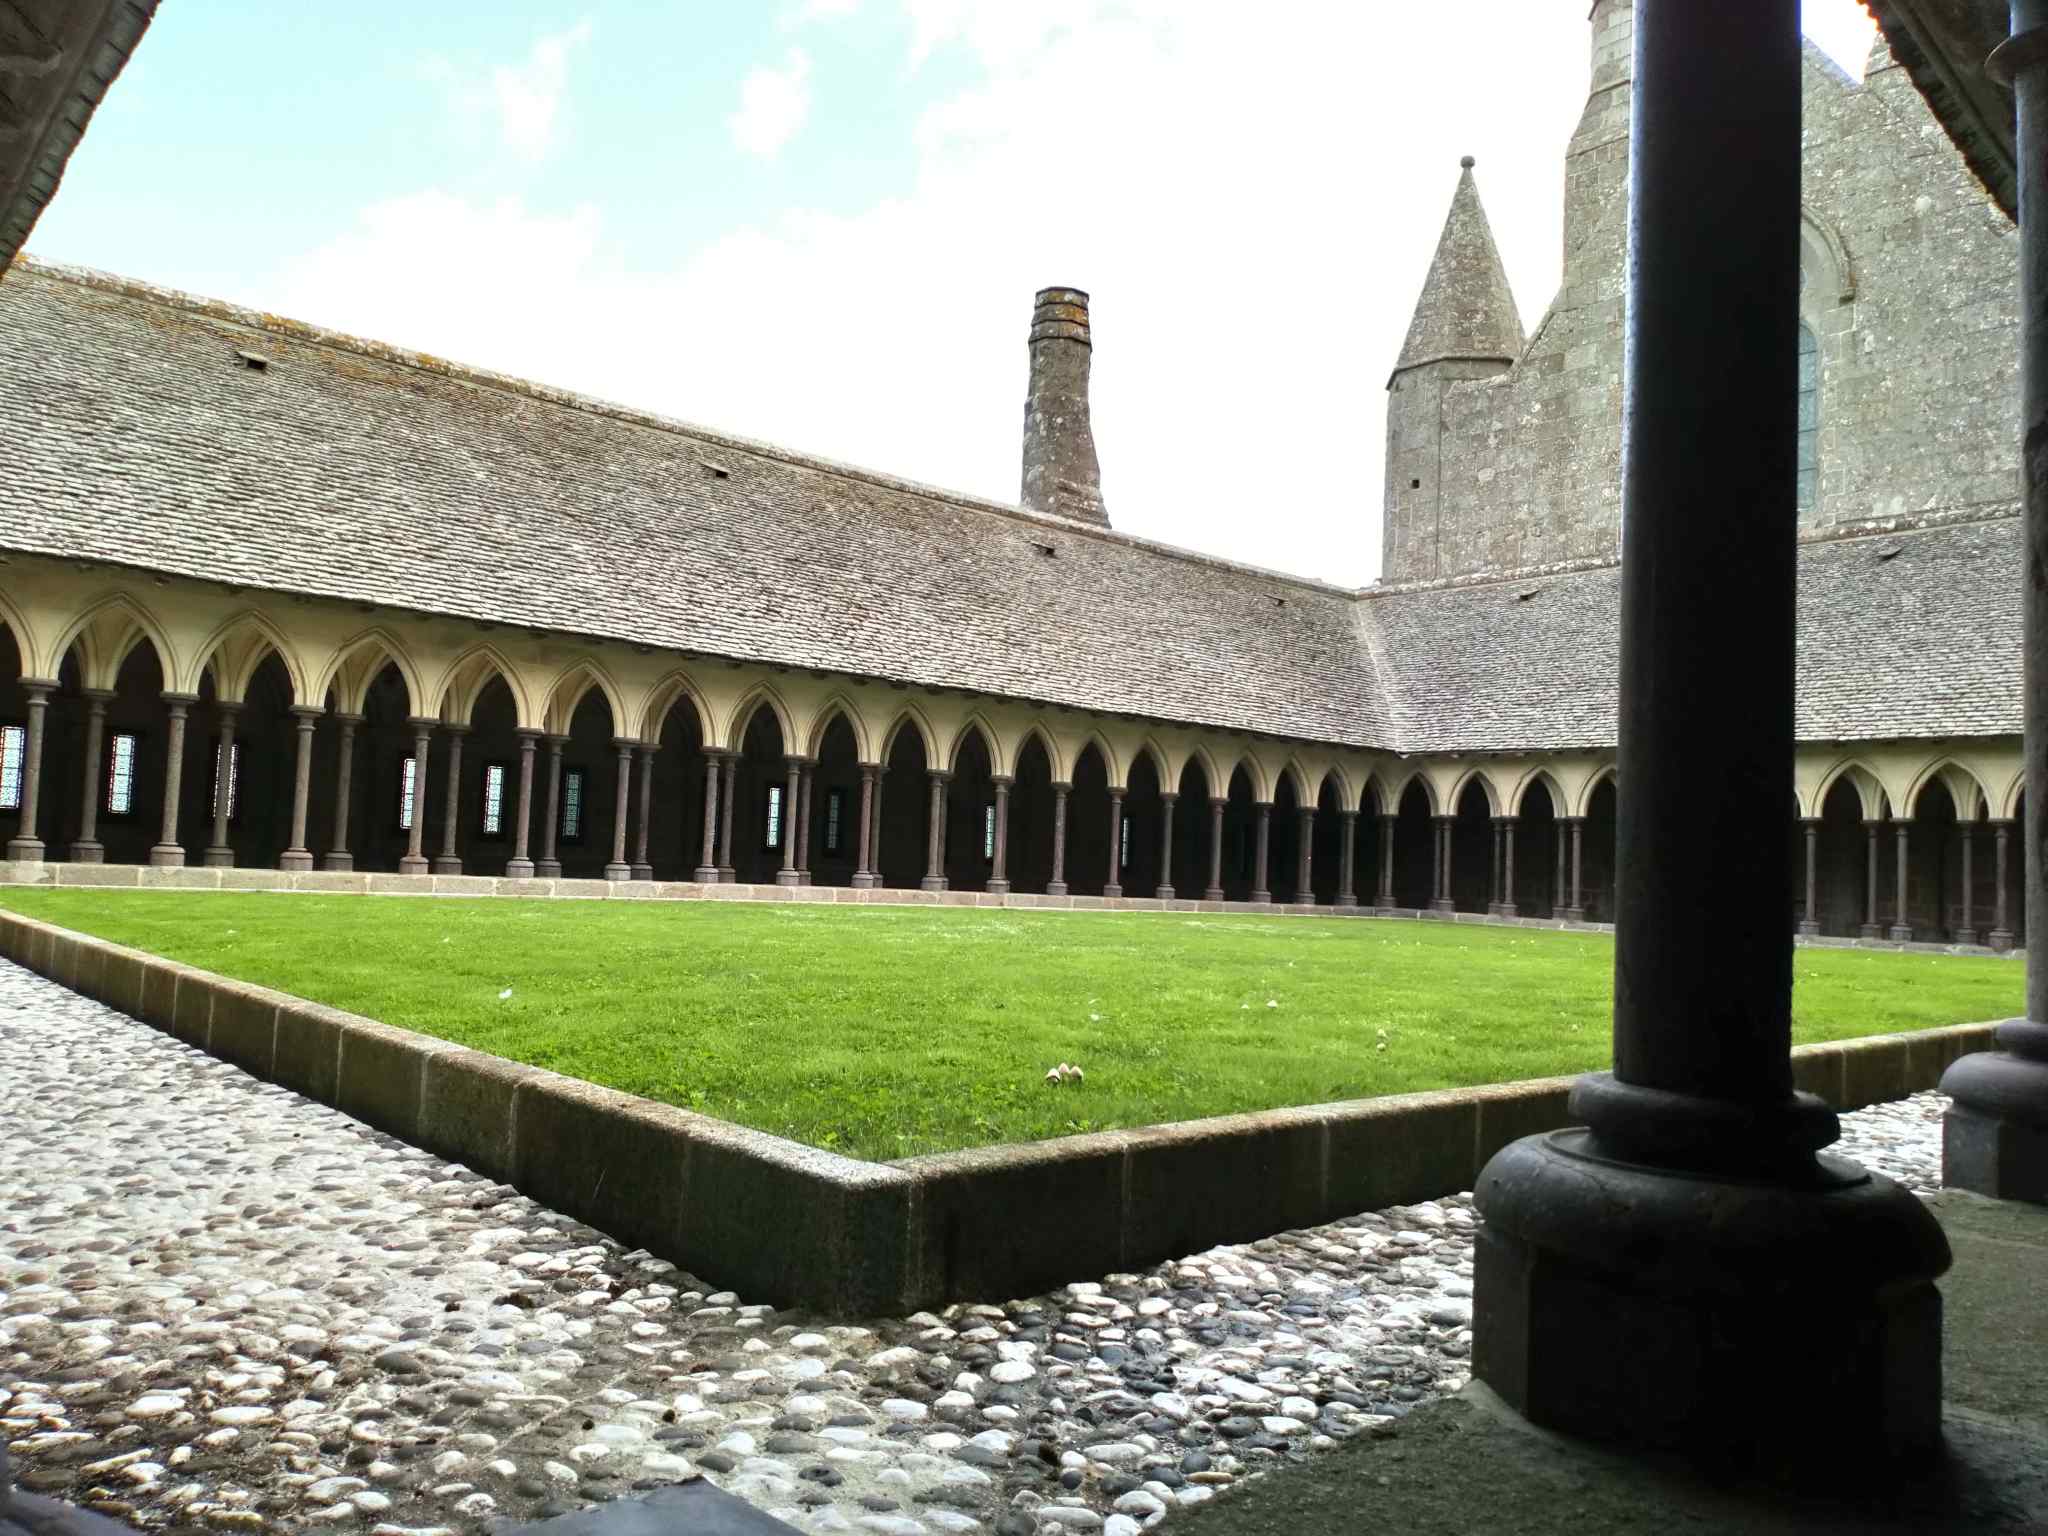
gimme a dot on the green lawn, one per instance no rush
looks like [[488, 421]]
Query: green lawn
[[885, 1032]]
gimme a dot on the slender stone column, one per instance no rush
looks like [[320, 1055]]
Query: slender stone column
[[219, 854], [1810, 924], [707, 864], [1385, 899], [88, 849], [2001, 928], [520, 865], [1871, 928], [622, 804], [643, 867], [1557, 898], [1691, 1215], [550, 867], [1493, 895], [169, 853], [1902, 926], [1113, 886], [1057, 885], [728, 873], [1966, 931], [803, 821], [999, 863], [25, 845], [415, 862], [298, 855], [793, 772], [1214, 890], [1167, 800], [875, 858], [338, 857], [1305, 858], [1995, 1135], [1265, 838], [1347, 868], [448, 861], [1441, 899], [1507, 886], [935, 835], [864, 872]]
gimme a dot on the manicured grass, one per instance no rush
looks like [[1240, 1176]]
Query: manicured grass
[[885, 1032]]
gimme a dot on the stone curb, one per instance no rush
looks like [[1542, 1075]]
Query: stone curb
[[795, 1225], [147, 877]]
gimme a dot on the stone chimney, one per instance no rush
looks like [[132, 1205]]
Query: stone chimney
[[1061, 472]]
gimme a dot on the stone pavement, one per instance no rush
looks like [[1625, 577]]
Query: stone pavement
[[225, 1307]]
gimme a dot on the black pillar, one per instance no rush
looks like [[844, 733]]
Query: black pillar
[[1995, 1135], [1636, 1278]]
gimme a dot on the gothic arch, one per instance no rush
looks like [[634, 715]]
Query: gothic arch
[[837, 707], [1162, 765], [913, 717], [1550, 785], [1048, 743], [1416, 776], [567, 690], [1215, 784], [2008, 803], [1486, 785], [1335, 774], [356, 663], [1827, 277], [1112, 765], [1254, 775], [1862, 778], [105, 632], [237, 647], [1607, 773], [466, 678], [973, 724], [676, 687]]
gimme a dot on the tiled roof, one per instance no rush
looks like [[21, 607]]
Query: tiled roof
[[136, 436]]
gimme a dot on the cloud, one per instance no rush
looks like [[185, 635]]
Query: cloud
[[820, 10], [773, 106], [528, 96]]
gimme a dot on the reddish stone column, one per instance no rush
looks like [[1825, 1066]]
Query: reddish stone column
[[707, 865], [1809, 925], [1057, 885], [792, 774], [1114, 886], [1493, 888], [448, 861], [25, 845], [1305, 857], [338, 858], [935, 835], [1902, 926], [1385, 899], [864, 873], [727, 873], [1967, 932], [1870, 928], [169, 853], [875, 856], [550, 867], [1167, 800], [2001, 928], [415, 862], [88, 849], [999, 865], [1440, 900], [803, 822], [1575, 908], [1347, 869], [298, 855], [1557, 896], [520, 865], [219, 855], [643, 867], [1214, 892], [1265, 839], [622, 804], [1507, 886]]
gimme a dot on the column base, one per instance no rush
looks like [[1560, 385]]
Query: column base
[[1163, 893], [338, 863], [803, 876], [88, 853], [1443, 906], [1262, 898], [784, 877], [1809, 930], [618, 872], [167, 856], [2001, 940], [1112, 890], [1384, 902], [217, 857], [932, 883], [445, 864], [1493, 909], [643, 871], [1213, 893], [999, 887], [414, 864], [1994, 1138], [1348, 900], [863, 880], [1645, 1305], [727, 875], [1056, 888], [1575, 914], [295, 858], [1965, 936], [519, 869], [1508, 909], [1901, 933], [548, 869], [25, 850], [1869, 931], [705, 874]]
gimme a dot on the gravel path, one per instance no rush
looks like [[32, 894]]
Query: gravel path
[[223, 1307]]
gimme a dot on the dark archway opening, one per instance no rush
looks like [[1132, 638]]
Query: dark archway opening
[[1597, 892], [1142, 826], [1240, 838], [1088, 824], [1536, 854], [835, 806], [1031, 813], [1191, 823], [1472, 851], [1414, 849], [970, 835], [906, 801]]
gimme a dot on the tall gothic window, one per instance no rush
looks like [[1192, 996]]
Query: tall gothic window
[[13, 752], [1809, 421]]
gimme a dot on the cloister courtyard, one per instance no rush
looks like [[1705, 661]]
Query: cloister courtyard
[[888, 1032]]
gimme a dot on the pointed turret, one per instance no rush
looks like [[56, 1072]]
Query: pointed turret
[[1467, 311]]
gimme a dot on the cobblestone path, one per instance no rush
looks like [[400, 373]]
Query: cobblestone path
[[224, 1307]]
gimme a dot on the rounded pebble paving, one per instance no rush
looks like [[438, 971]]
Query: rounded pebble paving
[[224, 1307]]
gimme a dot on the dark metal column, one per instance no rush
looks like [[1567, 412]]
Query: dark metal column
[[1575, 908], [1494, 898], [88, 849], [1114, 885], [298, 855], [706, 872], [1810, 924], [1995, 1135], [2001, 928], [1214, 892], [25, 844], [1167, 800], [999, 862], [1265, 839], [1634, 1280], [338, 857], [1440, 899], [448, 861], [727, 871], [1057, 885], [520, 865], [875, 853]]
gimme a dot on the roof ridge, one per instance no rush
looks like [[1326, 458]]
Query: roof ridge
[[306, 333]]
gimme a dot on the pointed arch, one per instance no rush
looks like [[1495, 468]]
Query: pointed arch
[[105, 631], [237, 647], [1148, 746], [469, 674], [1291, 772], [568, 689], [1964, 787], [2008, 803], [837, 706], [1606, 773], [913, 717], [1862, 778], [676, 687], [1378, 795], [1528, 781], [1112, 763], [357, 661], [1476, 775], [1048, 743], [1215, 785], [1254, 775], [975, 723], [1415, 777], [1335, 777]]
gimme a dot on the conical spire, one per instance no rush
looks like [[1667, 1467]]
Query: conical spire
[[1467, 309]]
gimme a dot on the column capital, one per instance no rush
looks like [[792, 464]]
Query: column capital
[[1263, 805], [48, 685], [179, 700], [228, 707], [344, 717], [1002, 780], [1873, 822], [1064, 786], [1219, 801], [1117, 792], [424, 723], [1169, 796], [98, 695], [939, 775], [1349, 815], [455, 728], [556, 741], [529, 735], [1814, 821], [307, 714]]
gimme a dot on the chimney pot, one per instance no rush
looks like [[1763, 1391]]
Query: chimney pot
[[1061, 472]]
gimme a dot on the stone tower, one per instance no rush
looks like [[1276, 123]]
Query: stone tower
[[1466, 326], [1061, 472]]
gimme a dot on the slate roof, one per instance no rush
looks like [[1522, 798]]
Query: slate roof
[[136, 436], [1467, 309], [1943, 44]]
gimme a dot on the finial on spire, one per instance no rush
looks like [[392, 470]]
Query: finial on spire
[[1468, 162]]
